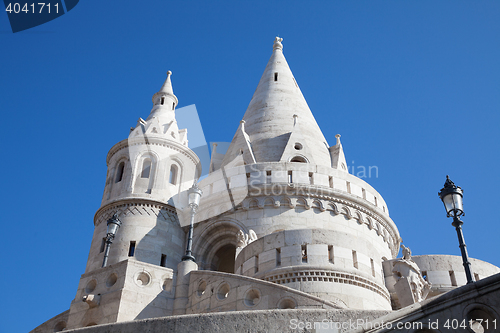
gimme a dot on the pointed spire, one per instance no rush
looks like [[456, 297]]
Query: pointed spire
[[275, 101], [165, 91], [161, 121], [167, 85]]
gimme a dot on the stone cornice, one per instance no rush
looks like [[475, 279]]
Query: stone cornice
[[109, 209], [360, 208], [312, 196], [153, 141]]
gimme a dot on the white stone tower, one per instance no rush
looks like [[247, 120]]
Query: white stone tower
[[319, 229], [146, 172], [281, 225]]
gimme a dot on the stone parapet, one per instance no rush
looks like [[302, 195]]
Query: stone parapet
[[270, 321]]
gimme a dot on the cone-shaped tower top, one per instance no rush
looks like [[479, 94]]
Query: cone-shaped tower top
[[161, 121], [166, 91], [269, 119]]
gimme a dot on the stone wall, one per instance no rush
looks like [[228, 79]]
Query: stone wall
[[124, 291], [329, 264], [218, 292], [473, 308], [444, 272], [270, 321]]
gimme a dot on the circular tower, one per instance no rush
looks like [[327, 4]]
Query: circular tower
[[146, 174], [281, 206]]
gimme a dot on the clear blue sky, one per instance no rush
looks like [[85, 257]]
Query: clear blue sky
[[412, 86]]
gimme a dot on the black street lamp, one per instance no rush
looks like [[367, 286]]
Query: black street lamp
[[113, 224], [452, 197], [194, 196]]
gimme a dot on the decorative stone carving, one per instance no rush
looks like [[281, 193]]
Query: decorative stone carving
[[92, 300], [406, 252], [410, 286], [244, 239]]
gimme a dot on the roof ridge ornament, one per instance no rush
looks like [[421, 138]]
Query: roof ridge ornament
[[277, 44], [337, 136]]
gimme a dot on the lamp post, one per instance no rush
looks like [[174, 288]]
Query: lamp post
[[194, 196], [452, 197], [113, 224]]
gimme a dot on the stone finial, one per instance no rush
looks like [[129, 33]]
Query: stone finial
[[169, 73], [277, 44], [337, 136]]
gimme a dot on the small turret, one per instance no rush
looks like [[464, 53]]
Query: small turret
[[165, 98], [161, 121]]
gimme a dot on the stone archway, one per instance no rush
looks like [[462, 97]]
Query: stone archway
[[215, 247], [223, 259]]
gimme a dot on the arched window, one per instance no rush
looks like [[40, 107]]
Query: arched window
[[146, 168], [298, 159], [119, 172], [173, 174]]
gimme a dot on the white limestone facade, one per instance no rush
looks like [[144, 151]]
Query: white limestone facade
[[281, 225], [319, 229], [147, 174]]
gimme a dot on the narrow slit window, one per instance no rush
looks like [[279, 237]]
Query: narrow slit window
[[163, 260], [311, 178], [256, 264], [275, 76], [376, 204], [173, 106], [348, 185], [131, 249], [373, 266], [278, 257], [330, 181], [146, 168], [364, 193], [330, 254], [453, 279], [304, 253], [119, 172], [103, 244], [290, 178], [162, 101], [476, 277], [354, 259], [424, 275], [173, 174], [268, 176]]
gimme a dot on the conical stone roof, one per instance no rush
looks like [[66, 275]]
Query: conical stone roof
[[269, 119]]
